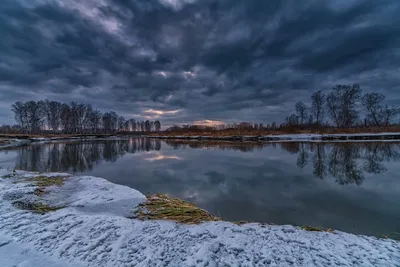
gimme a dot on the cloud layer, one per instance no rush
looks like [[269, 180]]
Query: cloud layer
[[186, 60]]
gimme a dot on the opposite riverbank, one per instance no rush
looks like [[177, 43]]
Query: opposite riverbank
[[288, 137], [66, 220], [7, 141]]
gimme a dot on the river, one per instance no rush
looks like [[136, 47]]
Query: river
[[353, 187]]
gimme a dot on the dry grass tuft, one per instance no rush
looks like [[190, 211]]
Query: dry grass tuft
[[390, 235], [164, 207], [44, 181], [40, 191], [316, 229], [240, 222], [38, 207]]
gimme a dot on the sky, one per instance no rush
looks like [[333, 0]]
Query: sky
[[191, 61]]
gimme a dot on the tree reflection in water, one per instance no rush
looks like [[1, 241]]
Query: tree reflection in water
[[220, 145], [347, 163], [79, 156]]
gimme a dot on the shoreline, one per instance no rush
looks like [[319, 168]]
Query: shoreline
[[87, 223], [12, 141], [289, 137]]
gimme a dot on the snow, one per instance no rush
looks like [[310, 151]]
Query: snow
[[321, 136], [296, 137], [13, 143], [93, 230], [20, 255]]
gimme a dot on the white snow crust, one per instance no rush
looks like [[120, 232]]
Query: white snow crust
[[93, 230]]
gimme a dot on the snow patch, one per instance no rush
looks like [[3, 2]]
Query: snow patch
[[93, 230]]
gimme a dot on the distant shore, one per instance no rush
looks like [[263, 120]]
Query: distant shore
[[287, 137], [11, 140], [14, 140], [53, 136]]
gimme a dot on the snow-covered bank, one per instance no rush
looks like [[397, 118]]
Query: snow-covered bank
[[13, 142], [294, 137], [93, 230], [7, 143], [16, 254]]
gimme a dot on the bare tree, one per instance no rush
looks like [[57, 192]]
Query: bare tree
[[132, 125], [388, 114], [147, 126], [66, 121], [292, 120], [110, 122], [342, 104], [121, 123], [81, 114], [95, 117], [34, 116], [301, 110], [157, 126], [372, 104], [71, 118], [378, 114], [20, 114], [318, 106]]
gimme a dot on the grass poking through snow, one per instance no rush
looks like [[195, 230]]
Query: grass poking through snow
[[40, 191], [40, 183], [316, 229], [164, 207], [36, 207], [44, 181]]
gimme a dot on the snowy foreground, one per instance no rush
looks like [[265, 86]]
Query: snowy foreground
[[93, 230]]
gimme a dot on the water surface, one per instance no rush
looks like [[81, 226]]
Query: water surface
[[354, 187]]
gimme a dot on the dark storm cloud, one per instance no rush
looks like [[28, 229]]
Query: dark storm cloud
[[205, 59]]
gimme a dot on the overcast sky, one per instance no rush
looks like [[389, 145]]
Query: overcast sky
[[182, 61]]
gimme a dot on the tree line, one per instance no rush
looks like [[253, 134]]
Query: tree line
[[345, 106], [73, 118]]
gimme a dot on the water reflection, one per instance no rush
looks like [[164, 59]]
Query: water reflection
[[243, 147], [347, 163], [159, 156], [352, 187], [79, 156]]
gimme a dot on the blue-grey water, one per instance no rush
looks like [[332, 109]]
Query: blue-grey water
[[354, 187]]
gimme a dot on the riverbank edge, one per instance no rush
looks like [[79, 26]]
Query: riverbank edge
[[14, 141], [41, 181], [115, 201], [289, 137], [11, 141]]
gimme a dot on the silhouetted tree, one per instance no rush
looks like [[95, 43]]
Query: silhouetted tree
[[301, 110], [157, 125], [342, 104], [20, 114], [292, 120], [71, 118], [318, 106]]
